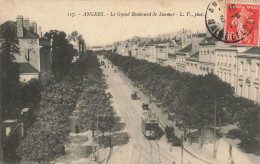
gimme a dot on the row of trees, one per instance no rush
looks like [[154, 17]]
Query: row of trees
[[191, 98], [95, 101], [84, 83], [45, 139]]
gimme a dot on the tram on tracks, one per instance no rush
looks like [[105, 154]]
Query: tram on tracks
[[150, 125]]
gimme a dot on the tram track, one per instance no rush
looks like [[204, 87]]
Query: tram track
[[162, 149], [157, 153], [126, 118]]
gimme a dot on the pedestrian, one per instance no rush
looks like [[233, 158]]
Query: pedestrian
[[232, 162], [230, 150], [76, 129], [110, 140], [63, 150]]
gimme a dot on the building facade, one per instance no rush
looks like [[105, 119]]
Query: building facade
[[248, 71], [34, 51]]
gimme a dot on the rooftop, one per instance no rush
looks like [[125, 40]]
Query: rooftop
[[208, 40], [12, 25], [186, 49], [27, 68], [253, 50]]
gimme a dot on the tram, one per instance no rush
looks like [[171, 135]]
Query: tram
[[150, 125]]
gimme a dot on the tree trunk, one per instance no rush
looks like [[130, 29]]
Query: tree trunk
[[93, 131], [103, 135]]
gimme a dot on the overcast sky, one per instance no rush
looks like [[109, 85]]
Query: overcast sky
[[107, 29]]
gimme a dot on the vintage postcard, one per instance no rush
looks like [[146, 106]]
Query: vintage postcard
[[130, 82]]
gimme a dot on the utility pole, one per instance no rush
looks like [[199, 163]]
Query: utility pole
[[139, 154], [149, 101], [159, 153], [151, 154], [215, 122], [181, 148], [1, 144], [92, 142], [97, 142]]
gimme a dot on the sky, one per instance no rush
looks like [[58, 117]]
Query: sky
[[100, 30]]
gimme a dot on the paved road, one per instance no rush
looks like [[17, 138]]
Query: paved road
[[144, 151]]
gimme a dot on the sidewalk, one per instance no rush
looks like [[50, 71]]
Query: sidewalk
[[238, 156], [78, 150]]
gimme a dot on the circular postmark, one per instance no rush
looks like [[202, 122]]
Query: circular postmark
[[236, 26]]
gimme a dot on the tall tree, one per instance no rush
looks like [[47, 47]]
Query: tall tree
[[62, 53], [9, 73]]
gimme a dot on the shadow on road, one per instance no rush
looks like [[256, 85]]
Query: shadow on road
[[117, 139], [118, 125]]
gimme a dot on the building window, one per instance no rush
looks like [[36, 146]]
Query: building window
[[225, 77], [240, 90], [241, 68], [248, 92], [234, 80], [248, 69], [257, 70], [256, 94]]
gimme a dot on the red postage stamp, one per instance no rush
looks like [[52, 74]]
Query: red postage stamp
[[242, 24]]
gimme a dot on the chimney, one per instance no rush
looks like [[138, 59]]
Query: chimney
[[27, 24], [19, 25], [34, 27], [40, 32]]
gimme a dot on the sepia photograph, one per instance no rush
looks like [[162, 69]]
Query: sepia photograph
[[130, 82]]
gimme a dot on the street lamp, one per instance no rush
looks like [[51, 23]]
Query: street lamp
[[215, 122], [181, 148], [97, 136]]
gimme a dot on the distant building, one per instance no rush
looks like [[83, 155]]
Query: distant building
[[226, 63], [192, 64], [172, 60], [150, 52], [248, 79], [141, 50], [201, 54], [185, 53], [207, 55]]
